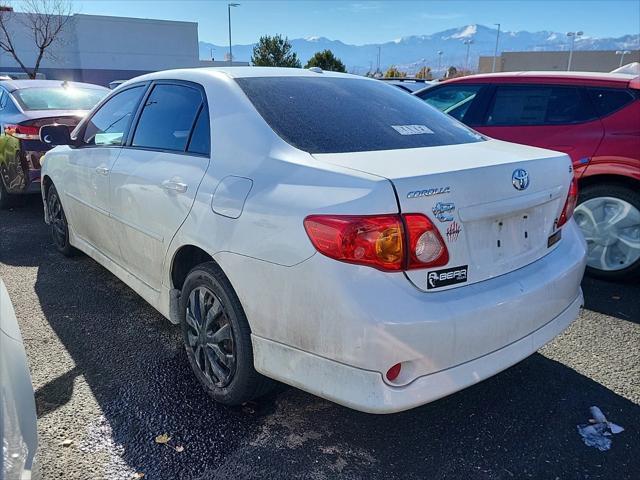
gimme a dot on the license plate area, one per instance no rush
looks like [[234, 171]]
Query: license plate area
[[514, 236]]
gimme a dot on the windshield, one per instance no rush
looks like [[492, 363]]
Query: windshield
[[59, 98], [334, 115]]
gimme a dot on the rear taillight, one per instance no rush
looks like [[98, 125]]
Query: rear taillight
[[366, 240], [385, 242], [570, 204], [23, 132], [426, 247]]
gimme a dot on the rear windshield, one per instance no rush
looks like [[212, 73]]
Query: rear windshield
[[333, 115], [58, 98]]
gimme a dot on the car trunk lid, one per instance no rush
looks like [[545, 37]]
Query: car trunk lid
[[495, 204]]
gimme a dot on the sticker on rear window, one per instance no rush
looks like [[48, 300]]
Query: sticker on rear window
[[447, 276], [411, 129]]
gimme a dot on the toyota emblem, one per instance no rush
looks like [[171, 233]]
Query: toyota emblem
[[520, 179]]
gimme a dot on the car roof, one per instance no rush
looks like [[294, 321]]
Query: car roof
[[590, 78], [404, 79], [202, 73], [246, 72], [12, 85]]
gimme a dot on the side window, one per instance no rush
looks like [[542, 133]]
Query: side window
[[448, 99], [167, 118], [538, 105], [110, 124], [7, 105], [200, 142], [608, 100], [3, 99], [459, 110]]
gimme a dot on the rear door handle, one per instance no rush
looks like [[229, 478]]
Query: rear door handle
[[174, 186], [102, 170]]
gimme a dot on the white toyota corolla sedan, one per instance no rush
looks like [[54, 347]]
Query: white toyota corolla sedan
[[321, 229]]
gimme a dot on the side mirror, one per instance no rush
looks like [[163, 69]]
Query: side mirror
[[55, 135]]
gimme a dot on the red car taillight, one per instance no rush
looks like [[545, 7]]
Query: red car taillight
[[385, 242], [367, 240], [570, 204], [23, 132], [426, 247]]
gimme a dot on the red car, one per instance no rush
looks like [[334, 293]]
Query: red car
[[595, 118]]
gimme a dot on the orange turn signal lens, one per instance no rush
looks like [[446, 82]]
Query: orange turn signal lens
[[389, 245]]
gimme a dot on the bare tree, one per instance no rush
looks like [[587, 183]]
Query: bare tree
[[45, 22]]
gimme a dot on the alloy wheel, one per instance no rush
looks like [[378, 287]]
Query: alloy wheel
[[210, 336], [611, 227], [58, 220]]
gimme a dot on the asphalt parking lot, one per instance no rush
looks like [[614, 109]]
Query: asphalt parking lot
[[110, 375]]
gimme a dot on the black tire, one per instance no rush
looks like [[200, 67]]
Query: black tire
[[58, 223], [234, 382], [629, 195]]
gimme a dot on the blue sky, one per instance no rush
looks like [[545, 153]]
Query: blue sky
[[363, 21]]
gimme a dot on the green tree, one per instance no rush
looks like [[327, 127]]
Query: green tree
[[274, 52], [326, 60]]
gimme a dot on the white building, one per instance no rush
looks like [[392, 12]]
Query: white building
[[99, 49]]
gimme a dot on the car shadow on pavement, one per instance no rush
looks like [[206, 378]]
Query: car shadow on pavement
[[56, 393], [520, 423], [621, 300]]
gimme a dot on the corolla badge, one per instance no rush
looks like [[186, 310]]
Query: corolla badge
[[520, 179], [428, 192]]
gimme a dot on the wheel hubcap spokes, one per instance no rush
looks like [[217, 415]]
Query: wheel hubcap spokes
[[210, 337], [611, 227], [57, 221]]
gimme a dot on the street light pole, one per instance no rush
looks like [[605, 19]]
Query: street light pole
[[466, 62], [440, 52], [622, 53], [495, 52], [572, 36], [229, 5]]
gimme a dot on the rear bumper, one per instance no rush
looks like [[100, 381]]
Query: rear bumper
[[355, 322], [32, 170], [366, 391], [22, 172]]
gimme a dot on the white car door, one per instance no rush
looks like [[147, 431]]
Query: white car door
[[155, 178], [86, 182]]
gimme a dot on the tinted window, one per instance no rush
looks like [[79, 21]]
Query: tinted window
[[59, 98], [109, 125], [6, 104], [330, 115], [608, 100], [538, 105], [167, 118], [199, 142], [9, 104], [452, 99]]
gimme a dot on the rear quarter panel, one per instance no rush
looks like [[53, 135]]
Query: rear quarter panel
[[619, 151]]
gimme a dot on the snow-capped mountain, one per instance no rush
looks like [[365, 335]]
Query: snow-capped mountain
[[414, 51]]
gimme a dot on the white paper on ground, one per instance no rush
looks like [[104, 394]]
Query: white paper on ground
[[598, 432]]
